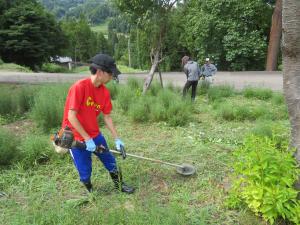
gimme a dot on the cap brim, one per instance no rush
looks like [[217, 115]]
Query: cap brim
[[115, 72]]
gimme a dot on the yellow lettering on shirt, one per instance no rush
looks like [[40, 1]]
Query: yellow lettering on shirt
[[90, 102]]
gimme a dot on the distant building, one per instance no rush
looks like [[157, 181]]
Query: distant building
[[62, 60]]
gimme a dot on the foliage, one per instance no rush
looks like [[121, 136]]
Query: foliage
[[18, 103], [14, 67], [35, 150], [48, 107], [158, 105], [95, 11], [259, 93], [220, 92], [54, 68], [263, 179], [83, 43], [232, 33], [8, 148], [203, 87], [29, 35], [162, 196]]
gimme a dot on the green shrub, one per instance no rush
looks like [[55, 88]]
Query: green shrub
[[263, 179], [259, 93], [216, 93], [49, 105], [36, 150], [1, 61], [54, 68], [8, 148]]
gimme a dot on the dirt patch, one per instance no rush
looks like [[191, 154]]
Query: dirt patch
[[20, 127]]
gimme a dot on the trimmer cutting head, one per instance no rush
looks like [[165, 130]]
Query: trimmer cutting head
[[186, 169]]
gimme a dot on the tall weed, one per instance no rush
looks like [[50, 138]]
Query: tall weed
[[49, 105], [8, 147], [35, 150], [217, 93], [259, 93], [16, 100]]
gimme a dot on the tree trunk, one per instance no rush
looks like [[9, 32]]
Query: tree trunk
[[149, 78], [129, 51], [160, 76], [275, 36], [291, 69]]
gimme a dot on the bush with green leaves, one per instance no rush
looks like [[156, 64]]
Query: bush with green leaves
[[48, 107], [259, 93], [263, 179], [54, 68], [8, 147], [35, 150]]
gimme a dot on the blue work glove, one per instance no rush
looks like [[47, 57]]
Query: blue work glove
[[120, 147], [90, 145]]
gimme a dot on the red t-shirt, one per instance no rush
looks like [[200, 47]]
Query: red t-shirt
[[88, 101]]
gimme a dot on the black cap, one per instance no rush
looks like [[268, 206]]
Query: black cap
[[105, 63]]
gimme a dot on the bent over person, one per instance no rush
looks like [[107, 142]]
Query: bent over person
[[87, 98], [192, 72]]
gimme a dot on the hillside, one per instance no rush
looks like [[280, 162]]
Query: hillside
[[96, 11]]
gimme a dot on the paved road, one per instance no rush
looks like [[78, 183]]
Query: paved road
[[239, 80]]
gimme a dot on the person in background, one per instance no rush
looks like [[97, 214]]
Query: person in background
[[208, 71], [86, 99], [192, 72]]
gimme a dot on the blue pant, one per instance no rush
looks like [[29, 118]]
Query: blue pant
[[83, 159]]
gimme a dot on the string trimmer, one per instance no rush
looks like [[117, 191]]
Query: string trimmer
[[183, 169]]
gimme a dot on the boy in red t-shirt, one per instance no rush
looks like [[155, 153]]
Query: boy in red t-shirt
[[86, 99]]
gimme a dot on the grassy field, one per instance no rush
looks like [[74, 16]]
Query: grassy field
[[51, 193], [13, 68], [101, 28]]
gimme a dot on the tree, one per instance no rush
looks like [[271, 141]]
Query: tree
[[82, 41], [152, 17], [233, 33], [28, 35], [291, 69], [275, 37]]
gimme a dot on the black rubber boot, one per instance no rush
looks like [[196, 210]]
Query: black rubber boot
[[88, 186], [116, 176]]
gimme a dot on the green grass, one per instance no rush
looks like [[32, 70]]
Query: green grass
[[14, 68], [50, 192], [101, 28]]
